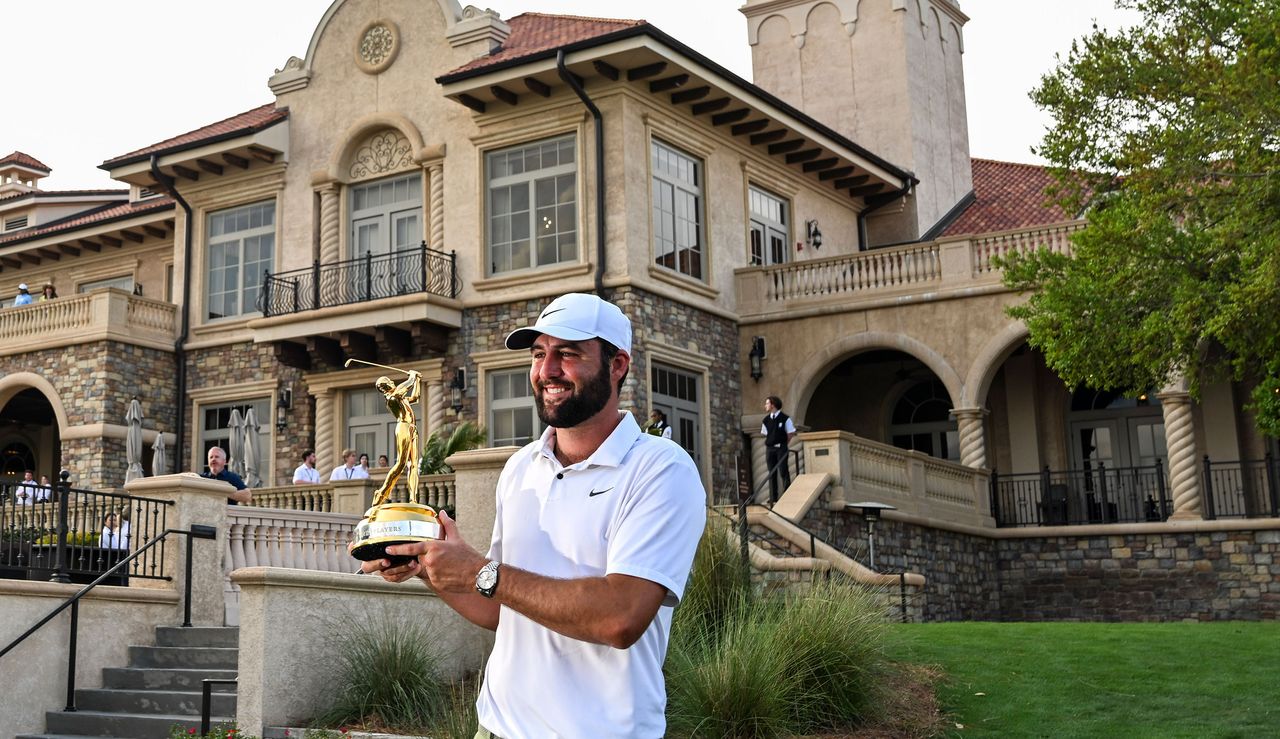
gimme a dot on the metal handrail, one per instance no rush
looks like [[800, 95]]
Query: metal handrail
[[360, 279], [197, 531], [206, 700]]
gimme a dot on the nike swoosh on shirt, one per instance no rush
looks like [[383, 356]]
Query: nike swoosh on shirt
[[594, 493]]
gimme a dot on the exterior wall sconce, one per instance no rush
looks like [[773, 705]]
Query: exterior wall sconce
[[284, 401], [812, 236], [756, 357], [456, 386]]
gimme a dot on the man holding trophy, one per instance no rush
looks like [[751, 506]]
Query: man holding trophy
[[596, 527]]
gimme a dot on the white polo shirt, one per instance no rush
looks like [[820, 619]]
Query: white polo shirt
[[307, 474], [635, 507], [343, 472]]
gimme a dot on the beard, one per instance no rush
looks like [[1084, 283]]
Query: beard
[[583, 402]]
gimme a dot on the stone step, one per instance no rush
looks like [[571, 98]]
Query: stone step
[[132, 725], [184, 703], [151, 678], [219, 658], [197, 636]]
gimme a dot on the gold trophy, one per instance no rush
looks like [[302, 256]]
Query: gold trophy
[[386, 524]]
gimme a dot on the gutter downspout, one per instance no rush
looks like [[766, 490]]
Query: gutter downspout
[[179, 346], [595, 113], [880, 203]]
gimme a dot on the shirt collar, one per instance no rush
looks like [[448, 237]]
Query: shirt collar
[[608, 454]]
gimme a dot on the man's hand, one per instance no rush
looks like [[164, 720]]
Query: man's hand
[[449, 565]]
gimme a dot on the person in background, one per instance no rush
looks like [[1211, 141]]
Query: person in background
[[23, 297], [348, 470], [657, 425], [49, 292], [115, 533], [382, 461], [29, 491], [364, 462], [307, 474], [218, 471], [777, 430]]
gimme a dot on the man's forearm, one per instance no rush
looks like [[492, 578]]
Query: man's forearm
[[474, 607], [613, 610]]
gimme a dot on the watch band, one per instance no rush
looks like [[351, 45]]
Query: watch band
[[487, 579]]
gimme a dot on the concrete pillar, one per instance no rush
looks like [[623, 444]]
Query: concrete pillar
[[476, 478], [1184, 467], [436, 177], [196, 501], [973, 442], [353, 496], [330, 224], [326, 452]]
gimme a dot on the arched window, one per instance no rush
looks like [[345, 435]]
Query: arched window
[[922, 421]]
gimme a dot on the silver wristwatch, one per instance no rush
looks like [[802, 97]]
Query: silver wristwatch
[[487, 579]]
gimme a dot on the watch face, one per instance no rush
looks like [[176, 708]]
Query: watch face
[[487, 578]]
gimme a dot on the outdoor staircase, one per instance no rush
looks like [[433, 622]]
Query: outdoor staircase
[[159, 689]]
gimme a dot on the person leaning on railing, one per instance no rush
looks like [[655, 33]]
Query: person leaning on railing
[[218, 471]]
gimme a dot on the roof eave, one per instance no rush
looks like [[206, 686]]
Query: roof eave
[[269, 139]]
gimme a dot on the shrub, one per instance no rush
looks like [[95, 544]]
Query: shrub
[[74, 539], [743, 666], [389, 676]]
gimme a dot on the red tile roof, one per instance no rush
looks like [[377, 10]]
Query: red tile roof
[[248, 122], [25, 160], [103, 214], [1007, 195], [533, 33]]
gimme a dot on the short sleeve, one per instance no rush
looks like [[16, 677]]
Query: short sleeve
[[658, 529]]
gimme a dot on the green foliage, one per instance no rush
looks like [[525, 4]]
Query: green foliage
[[19, 534], [1167, 132], [459, 720], [74, 539], [221, 731], [437, 449], [389, 676], [1102, 679], [740, 666]]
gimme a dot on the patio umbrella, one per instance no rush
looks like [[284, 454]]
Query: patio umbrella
[[133, 441], [252, 449], [159, 463], [235, 452]]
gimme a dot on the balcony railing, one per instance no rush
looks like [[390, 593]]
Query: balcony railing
[[1248, 488], [1075, 497], [415, 270], [1056, 238], [106, 314]]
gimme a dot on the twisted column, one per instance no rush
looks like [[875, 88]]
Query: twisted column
[[1184, 471], [326, 453], [435, 407], [970, 423], [329, 224], [436, 174]]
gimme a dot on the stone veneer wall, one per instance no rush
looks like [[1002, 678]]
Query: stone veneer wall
[[1158, 576], [95, 382], [248, 362], [654, 319]]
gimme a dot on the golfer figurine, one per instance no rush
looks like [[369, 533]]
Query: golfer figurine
[[385, 524]]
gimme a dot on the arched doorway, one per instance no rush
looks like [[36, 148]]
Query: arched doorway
[[28, 437], [887, 396], [1112, 429]]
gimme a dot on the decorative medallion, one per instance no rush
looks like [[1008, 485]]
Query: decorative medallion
[[387, 151], [377, 46]]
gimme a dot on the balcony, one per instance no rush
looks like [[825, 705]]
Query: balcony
[[401, 290], [108, 314], [893, 275]]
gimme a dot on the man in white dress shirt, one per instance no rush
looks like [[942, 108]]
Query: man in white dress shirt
[[348, 470], [307, 474]]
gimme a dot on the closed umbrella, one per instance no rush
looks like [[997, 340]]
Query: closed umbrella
[[133, 441], [235, 452], [159, 462], [252, 449]]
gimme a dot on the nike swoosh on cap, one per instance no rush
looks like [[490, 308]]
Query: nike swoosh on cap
[[544, 315]]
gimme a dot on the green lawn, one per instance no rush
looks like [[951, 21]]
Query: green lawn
[[1103, 679]]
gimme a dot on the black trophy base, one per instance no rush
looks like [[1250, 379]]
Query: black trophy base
[[378, 550]]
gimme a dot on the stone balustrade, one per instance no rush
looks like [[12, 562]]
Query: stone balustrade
[[102, 315], [437, 491], [907, 272], [914, 483]]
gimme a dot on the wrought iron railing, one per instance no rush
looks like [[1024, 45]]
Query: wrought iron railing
[[1247, 488], [415, 270], [1098, 494], [63, 534]]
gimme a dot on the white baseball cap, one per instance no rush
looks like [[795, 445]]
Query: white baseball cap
[[577, 317], [22, 286]]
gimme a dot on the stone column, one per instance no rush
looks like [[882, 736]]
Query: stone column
[[1184, 469], [476, 477], [330, 223], [436, 392], [973, 442], [436, 176], [326, 452]]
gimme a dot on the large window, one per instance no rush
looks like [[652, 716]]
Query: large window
[[215, 430], [675, 393], [513, 420], [386, 215], [241, 247], [677, 210], [532, 205], [769, 234]]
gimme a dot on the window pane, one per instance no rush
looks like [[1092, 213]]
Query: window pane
[[237, 261], [540, 176]]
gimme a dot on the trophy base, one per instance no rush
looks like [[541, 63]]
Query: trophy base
[[390, 524]]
